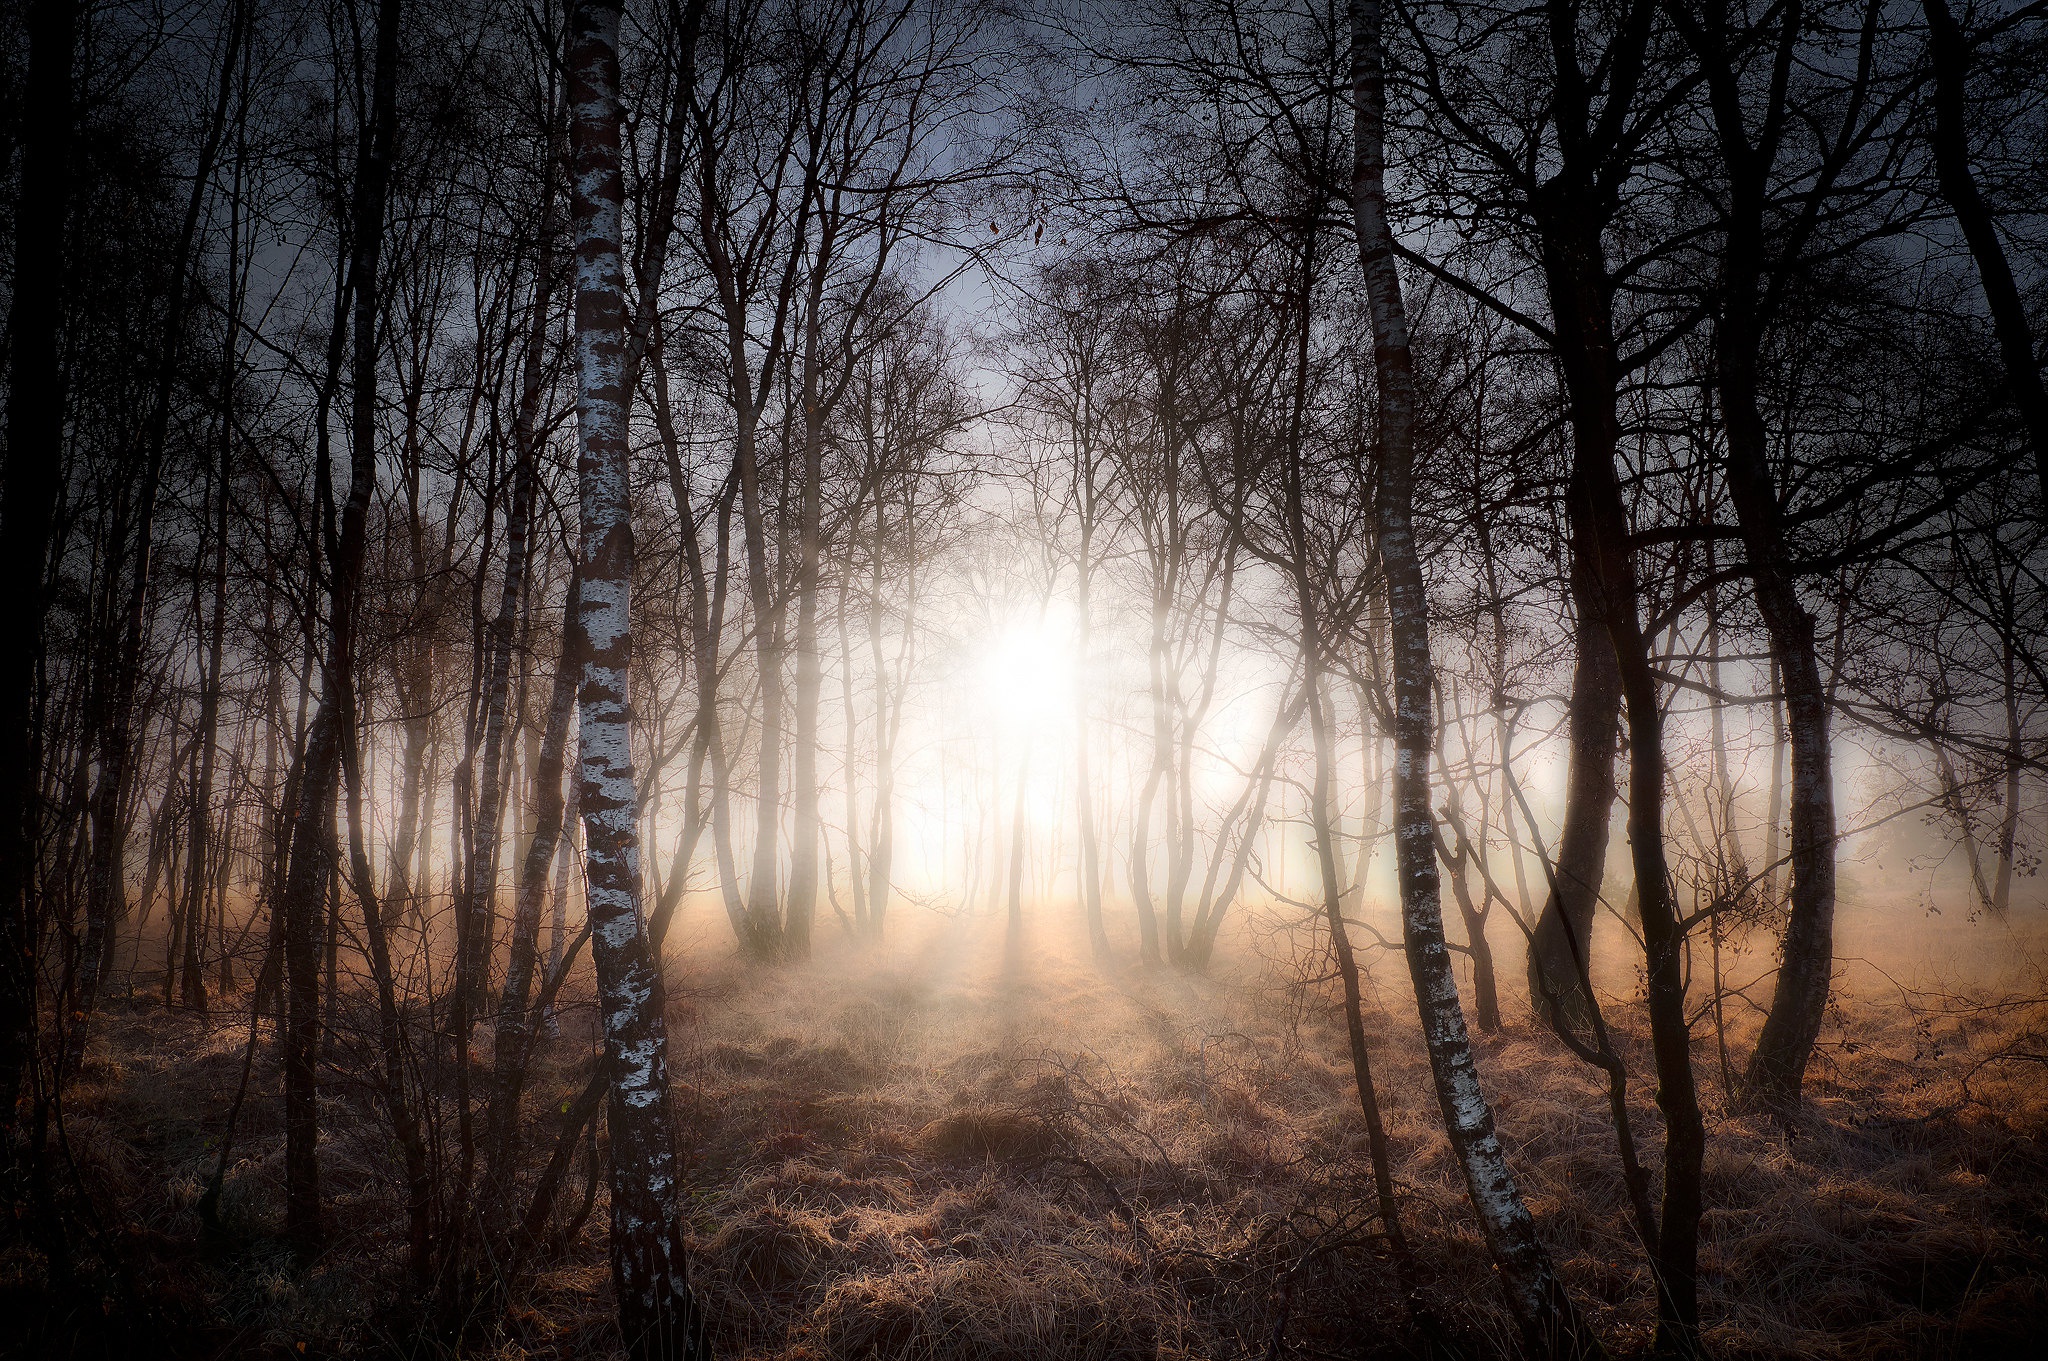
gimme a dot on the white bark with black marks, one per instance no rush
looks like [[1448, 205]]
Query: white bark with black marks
[[1545, 1315], [650, 1270]]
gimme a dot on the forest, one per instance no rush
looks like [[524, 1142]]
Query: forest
[[1075, 680]]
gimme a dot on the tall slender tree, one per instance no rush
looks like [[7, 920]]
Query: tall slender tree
[[658, 1315], [29, 487], [306, 889], [1549, 1323]]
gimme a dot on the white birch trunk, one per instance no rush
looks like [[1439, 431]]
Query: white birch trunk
[[657, 1314]]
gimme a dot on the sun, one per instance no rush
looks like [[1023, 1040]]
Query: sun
[[1026, 669]]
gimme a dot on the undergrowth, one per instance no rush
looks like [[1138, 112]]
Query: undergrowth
[[955, 1149]]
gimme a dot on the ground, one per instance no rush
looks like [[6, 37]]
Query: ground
[[955, 1147]]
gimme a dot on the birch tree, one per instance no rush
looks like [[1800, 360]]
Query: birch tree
[[1549, 1323], [650, 1264]]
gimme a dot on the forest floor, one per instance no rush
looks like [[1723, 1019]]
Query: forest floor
[[956, 1148]]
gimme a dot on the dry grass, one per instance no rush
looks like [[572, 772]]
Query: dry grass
[[952, 1150]]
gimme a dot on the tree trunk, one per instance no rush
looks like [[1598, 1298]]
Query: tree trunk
[[1545, 1314], [1140, 870], [1799, 1002], [192, 987], [882, 828], [391, 1047], [1949, 52], [1776, 795], [1159, 771], [1330, 879], [1369, 817], [28, 504], [513, 1031], [1485, 989], [1084, 793], [476, 924], [650, 1271], [1576, 275], [1016, 882], [112, 793], [1734, 860], [803, 776], [1663, 939], [2015, 759], [414, 674], [1249, 816], [1562, 945], [307, 879], [706, 617], [857, 887]]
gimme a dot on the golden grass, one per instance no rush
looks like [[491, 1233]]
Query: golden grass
[[950, 1149]]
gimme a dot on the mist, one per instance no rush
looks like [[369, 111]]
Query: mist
[[811, 679]]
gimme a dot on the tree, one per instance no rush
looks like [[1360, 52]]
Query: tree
[[1948, 50], [312, 859], [650, 1264], [29, 487], [1545, 1313]]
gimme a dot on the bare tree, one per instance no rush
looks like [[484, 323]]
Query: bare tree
[[1536, 1296], [650, 1264]]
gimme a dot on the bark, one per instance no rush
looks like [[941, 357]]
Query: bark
[[1015, 881], [576, 1115], [1600, 1054], [1663, 938], [1504, 721], [706, 621], [1576, 274], [706, 596], [414, 673], [1369, 817], [2015, 759], [177, 903], [330, 995], [1185, 848], [1164, 555], [764, 922], [558, 910], [763, 935], [892, 688], [1776, 797], [1575, 271], [882, 827], [1733, 861], [1777, 1068], [650, 1270], [1571, 209], [1330, 878], [850, 753], [1141, 846], [1541, 1308]]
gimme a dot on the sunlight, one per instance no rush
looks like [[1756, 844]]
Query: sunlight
[[1026, 671], [920, 610]]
